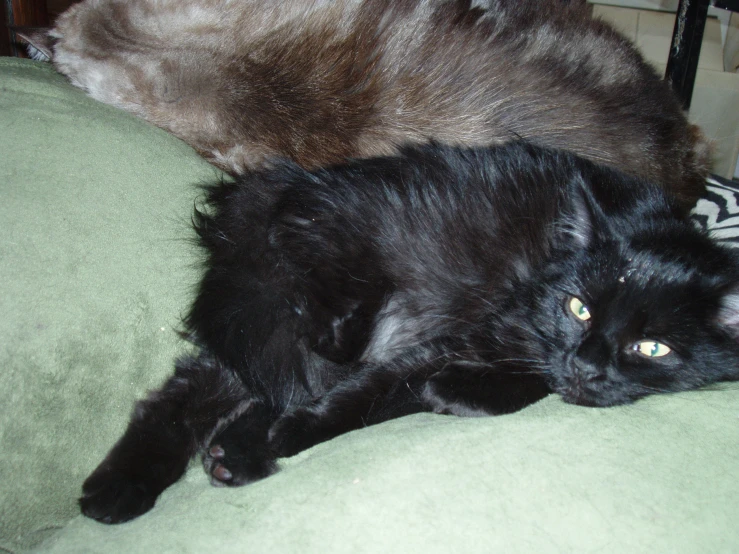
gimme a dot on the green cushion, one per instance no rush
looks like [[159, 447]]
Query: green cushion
[[96, 270]]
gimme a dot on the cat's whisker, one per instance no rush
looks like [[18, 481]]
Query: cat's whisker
[[485, 362], [486, 302], [454, 319], [688, 395]]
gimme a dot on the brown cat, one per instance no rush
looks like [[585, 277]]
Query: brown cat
[[317, 81]]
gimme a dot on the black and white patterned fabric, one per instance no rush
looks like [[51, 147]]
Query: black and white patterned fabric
[[718, 210]]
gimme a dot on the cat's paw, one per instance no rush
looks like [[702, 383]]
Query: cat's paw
[[232, 459], [111, 496], [294, 432]]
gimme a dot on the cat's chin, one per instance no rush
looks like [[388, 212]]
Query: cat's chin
[[592, 399]]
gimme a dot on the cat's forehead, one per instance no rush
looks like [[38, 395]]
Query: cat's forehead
[[646, 270], [643, 274], [664, 292]]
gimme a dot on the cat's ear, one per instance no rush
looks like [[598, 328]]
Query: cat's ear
[[728, 314], [39, 41], [728, 321], [583, 216]]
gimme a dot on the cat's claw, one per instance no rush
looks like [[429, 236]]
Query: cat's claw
[[114, 497]]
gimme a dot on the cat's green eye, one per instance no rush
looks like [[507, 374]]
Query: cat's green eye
[[579, 309], [652, 349]]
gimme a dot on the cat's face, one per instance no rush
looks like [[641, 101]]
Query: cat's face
[[614, 323]]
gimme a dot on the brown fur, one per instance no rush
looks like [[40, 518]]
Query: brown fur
[[319, 81]]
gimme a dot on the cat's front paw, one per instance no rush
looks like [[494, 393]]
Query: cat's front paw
[[234, 458], [111, 496]]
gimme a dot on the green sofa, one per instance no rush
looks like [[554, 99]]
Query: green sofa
[[97, 265]]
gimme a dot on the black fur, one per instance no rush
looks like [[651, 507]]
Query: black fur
[[439, 280]]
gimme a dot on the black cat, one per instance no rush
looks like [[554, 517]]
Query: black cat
[[465, 282]]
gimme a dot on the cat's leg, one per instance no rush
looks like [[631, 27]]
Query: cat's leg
[[238, 451], [380, 393], [479, 391], [165, 431], [373, 394]]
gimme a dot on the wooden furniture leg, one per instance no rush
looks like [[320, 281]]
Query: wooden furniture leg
[[685, 50]]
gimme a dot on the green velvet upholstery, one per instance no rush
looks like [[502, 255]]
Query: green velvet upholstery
[[97, 267]]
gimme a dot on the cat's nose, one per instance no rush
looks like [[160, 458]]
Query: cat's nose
[[588, 371], [592, 359]]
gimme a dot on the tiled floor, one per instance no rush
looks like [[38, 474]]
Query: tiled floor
[[652, 32]]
